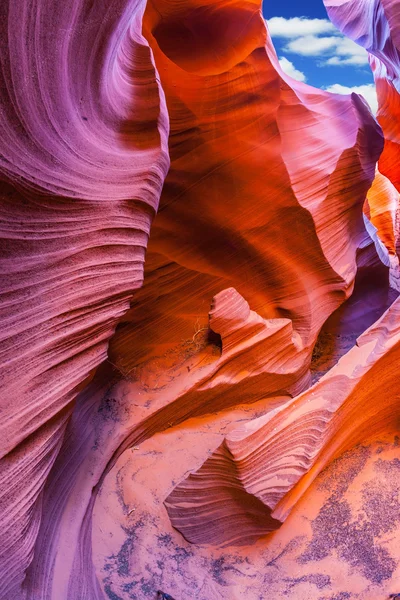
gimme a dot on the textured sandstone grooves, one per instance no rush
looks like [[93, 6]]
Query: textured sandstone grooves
[[252, 481], [114, 420], [340, 542], [229, 218], [83, 144], [371, 297], [250, 149], [252, 202], [258, 357], [375, 25], [227, 196], [382, 216]]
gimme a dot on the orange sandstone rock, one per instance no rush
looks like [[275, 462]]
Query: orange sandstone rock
[[382, 210], [252, 481], [250, 149]]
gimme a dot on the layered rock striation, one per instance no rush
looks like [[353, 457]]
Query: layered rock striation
[[205, 318], [374, 25], [252, 481], [83, 144]]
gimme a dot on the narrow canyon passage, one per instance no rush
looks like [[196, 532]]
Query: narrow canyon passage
[[201, 322]]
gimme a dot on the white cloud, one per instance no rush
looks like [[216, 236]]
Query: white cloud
[[311, 45], [333, 50], [320, 39], [305, 38], [349, 60], [348, 52], [367, 90], [299, 26], [289, 68]]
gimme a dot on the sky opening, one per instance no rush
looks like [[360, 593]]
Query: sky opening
[[311, 49]]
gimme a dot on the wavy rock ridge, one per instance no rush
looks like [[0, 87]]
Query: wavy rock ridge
[[262, 214], [83, 157], [266, 466], [254, 169], [374, 25], [382, 217]]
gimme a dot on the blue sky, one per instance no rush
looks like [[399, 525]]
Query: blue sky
[[311, 49]]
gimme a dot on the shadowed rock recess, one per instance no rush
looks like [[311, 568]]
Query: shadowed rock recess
[[199, 316]]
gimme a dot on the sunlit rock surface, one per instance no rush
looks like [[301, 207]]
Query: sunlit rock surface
[[375, 25], [270, 253], [382, 220], [252, 481], [83, 144]]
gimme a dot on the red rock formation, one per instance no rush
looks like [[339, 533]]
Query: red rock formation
[[382, 212], [375, 25], [252, 481], [198, 248], [83, 158], [230, 187]]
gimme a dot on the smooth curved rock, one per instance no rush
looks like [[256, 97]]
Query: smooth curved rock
[[252, 481], [235, 142], [375, 25], [83, 144], [231, 187], [382, 216], [261, 211]]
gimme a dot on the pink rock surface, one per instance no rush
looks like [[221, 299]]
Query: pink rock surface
[[83, 136], [375, 25], [340, 541]]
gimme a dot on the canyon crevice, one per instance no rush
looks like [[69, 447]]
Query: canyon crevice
[[200, 323]]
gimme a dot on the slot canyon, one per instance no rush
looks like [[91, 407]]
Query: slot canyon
[[200, 312]]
